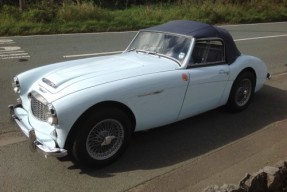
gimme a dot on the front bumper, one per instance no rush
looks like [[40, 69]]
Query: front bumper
[[19, 116]]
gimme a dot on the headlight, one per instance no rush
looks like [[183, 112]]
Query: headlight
[[52, 118], [16, 85]]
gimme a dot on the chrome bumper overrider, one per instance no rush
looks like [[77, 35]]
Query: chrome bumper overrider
[[34, 144]]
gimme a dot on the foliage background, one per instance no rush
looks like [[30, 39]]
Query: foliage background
[[26, 17]]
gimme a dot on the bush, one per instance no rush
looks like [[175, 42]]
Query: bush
[[43, 17], [41, 12], [38, 16], [9, 13], [85, 11]]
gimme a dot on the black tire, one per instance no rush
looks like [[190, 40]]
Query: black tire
[[242, 92], [102, 137]]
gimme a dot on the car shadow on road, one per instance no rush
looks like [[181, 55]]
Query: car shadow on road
[[190, 138]]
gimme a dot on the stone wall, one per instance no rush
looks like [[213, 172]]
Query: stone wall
[[268, 179]]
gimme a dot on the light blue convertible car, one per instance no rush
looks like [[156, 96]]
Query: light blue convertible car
[[89, 108]]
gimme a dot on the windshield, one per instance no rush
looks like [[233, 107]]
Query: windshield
[[168, 45]]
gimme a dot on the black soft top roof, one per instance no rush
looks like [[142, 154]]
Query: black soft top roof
[[200, 30]]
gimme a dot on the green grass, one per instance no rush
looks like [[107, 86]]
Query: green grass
[[44, 19]]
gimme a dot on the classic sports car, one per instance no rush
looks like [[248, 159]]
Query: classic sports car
[[91, 107]]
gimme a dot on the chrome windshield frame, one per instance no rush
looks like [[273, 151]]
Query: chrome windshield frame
[[182, 64]]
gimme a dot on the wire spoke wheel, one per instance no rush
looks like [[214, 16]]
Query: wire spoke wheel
[[243, 92], [105, 139], [103, 135]]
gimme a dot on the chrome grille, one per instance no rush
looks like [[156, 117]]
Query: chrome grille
[[39, 109]]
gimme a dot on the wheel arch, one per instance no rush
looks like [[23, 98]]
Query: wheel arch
[[229, 105], [106, 104], [247, 69]]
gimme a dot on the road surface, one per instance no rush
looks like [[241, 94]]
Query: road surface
[[213, 147]]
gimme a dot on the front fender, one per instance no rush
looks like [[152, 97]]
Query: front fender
[[154, 100]]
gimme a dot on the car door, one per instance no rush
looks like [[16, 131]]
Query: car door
[[208, 75]]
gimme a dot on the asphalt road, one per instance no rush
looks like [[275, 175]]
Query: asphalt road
[[151, 154]]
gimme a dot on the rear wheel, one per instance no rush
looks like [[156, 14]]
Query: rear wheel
[[242, 92], [102, 137]]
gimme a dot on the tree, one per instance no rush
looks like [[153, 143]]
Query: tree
[[22, 5]]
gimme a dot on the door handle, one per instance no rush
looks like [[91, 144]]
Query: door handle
[[224, 72]]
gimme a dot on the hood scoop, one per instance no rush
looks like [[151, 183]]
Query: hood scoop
[[55, 80], [50, 83]]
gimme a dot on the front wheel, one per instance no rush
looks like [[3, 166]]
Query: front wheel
[[102, 137], [242, 92]]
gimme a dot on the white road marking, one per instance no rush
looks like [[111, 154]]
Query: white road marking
[[14, 54], [250, 24], [82, 34], [93, 54], [14, 48], [116, 52], [264, 37], [279, 74], [7, 51], [6, 41], [16, 57]]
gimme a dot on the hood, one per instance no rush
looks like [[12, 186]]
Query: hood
[[102, 70]]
